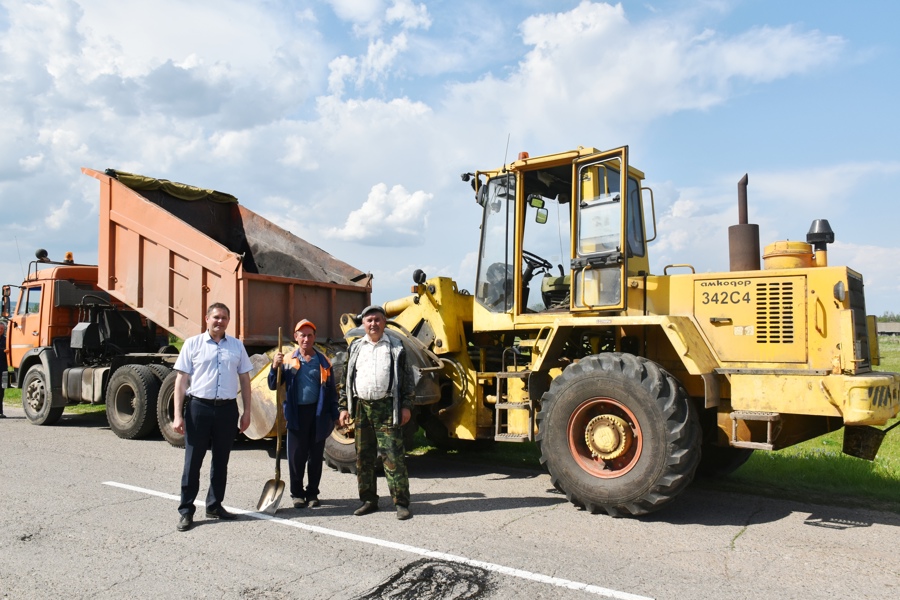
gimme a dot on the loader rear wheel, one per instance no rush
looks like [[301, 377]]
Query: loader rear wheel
[[619, 434], [720, 461], [165, 411], [131, 401], [340, 450], [37, 398]]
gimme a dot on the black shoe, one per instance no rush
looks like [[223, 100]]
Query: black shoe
[[220, 513], [366, 508], [185, 523], [313, 502], [403, 513], [2, 416], [299, 502]]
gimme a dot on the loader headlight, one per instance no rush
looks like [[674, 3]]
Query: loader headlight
[[840, 292]]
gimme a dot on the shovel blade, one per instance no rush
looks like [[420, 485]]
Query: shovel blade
[[270, 497]]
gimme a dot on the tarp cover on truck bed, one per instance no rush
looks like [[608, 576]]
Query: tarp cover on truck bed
[[266, 248]]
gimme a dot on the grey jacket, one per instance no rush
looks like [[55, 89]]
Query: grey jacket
[[403, 388]]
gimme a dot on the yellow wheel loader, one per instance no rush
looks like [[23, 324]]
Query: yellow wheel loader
[[629, 381]]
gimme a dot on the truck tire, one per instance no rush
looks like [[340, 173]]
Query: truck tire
[[340, 450], [618, 433], [165, 411], [37, 398], [131, 401], [161, 372]]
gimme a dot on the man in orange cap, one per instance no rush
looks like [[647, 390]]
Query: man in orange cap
[[310, 409]]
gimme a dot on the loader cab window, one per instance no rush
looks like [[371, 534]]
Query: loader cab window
[[635, 230], [494, 283]]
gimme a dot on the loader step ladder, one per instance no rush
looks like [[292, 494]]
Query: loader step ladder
[[502, 406], [772, 420]]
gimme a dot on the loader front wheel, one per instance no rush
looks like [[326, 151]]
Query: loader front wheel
[[618, 434], [131, 401], [37, 398], [340, 450]]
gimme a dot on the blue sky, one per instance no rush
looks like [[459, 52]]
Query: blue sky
[[348, 122]]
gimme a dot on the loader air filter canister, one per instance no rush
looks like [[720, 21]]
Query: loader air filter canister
[[788, 255]]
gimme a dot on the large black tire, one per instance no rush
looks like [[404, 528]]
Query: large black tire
[[165, 411], [618, 433], [340, 447], [131, 401], [37, 398], [340, 451], [161, 371], [721, 461]]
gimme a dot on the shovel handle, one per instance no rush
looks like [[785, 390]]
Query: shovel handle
[[278, 409]]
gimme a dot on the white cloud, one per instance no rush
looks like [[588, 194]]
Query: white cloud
[[409, 14], [58, 217], [392, 217]]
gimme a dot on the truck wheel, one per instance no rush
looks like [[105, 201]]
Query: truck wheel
[[161, 371], [720, 461], [37, 398], [619, 434], [131, 401], [340, 450], [165, 411]]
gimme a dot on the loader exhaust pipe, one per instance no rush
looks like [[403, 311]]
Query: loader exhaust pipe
[[743, 238]]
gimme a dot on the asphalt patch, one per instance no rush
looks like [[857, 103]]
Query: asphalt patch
[[428, 579]]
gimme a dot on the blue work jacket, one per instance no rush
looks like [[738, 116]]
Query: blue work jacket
[[327, 406]]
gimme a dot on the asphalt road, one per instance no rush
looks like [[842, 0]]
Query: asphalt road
[[84, 514]]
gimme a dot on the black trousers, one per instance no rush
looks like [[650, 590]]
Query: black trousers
[[207, 427], [305, 454]]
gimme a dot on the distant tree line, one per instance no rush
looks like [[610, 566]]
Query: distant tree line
[[889, 317]]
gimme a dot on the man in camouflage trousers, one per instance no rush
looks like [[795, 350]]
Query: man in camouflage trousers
[[379, 388]]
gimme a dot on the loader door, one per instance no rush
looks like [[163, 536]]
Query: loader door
[[494, 286], [600, 263]]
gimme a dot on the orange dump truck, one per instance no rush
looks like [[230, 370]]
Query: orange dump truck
[[98, 333]]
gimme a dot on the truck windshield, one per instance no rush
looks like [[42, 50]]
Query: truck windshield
[[494, 283]]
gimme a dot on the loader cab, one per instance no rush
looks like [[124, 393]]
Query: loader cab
[[560, 233]]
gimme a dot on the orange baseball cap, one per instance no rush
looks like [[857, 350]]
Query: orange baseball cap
[[302, 323]]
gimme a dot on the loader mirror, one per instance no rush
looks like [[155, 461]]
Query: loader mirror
[[536, 201], [481, 195], [4, 304]]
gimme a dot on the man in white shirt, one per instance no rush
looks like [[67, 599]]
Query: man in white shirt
[[209, 368]]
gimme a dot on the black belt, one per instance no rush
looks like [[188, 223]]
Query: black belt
[[214, 401]]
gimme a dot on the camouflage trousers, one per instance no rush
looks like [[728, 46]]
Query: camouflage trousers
[[376, 435]]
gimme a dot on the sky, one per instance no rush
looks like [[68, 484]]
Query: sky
[[348, 122]]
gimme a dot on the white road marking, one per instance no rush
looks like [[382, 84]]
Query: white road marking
[[512, 572]]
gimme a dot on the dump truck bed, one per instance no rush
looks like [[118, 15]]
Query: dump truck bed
[[169, 250]]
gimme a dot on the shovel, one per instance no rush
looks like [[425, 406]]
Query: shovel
[[274, 488]]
